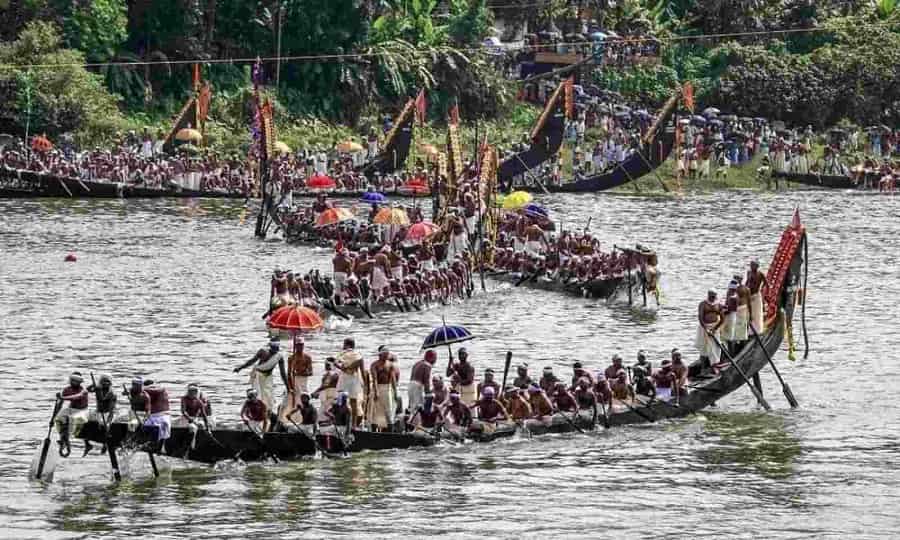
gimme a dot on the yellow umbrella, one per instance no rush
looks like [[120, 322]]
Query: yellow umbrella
[[349, 147], [189, 135], [282, 148], [516, 200], [429, 149], [391, 216]]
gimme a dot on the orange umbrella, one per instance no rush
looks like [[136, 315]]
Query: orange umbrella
[[391, 216], [414, 188], [295, 319], [41, 144], [333, 216]]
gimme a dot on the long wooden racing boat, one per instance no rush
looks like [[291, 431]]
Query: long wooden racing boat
[[595, 288], [786, 279], [16, 184], [831, 181]]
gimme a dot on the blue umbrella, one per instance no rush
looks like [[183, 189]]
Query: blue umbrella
[[446, 335], [373, 197], [536, 210]]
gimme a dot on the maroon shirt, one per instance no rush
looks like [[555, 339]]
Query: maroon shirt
[[192, 406], [79, 402], [159, 399], [488, 410], [254, 410]]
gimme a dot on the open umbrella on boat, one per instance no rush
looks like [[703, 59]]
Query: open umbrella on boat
[[333, 216], [698, 120], [446, 335], [391, 216], [711, 111], [373, 197], [420, 231], [41, 144], [536, 210], [516, 200], [189, 135], [295, 319], [348, 147], [320, 181]]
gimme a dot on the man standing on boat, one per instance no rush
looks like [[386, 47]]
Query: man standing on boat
[[384, 374], [420, 380], [548, 380], [343, 266], [468, 391], [380, 273], [742, 316], [709, 319], [522, 380], [261, 375], [353, 375], [300, 369], [730, 318], [756, 282]]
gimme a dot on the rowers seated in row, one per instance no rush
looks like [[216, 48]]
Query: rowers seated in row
[[490, 411], [515, 404], [671, 379], [195, 408], [427, 416], [74, 415], [105, 412], [308, 415], [149, 409]]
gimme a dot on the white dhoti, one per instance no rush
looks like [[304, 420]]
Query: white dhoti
[[397, 272], [415, 396], [379, 280], [468, 394], [706, 344], [340, 279], [252, 425], [351, 384], [162, 422], [741, 323], [758, 319], [727, 331], [326, 399], [518, 245], [471, 223], [458, 245], [664, 394], [262, 383], [384, 407], [75, 418], [533, 247]]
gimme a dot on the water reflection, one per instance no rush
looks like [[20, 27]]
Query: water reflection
[[755, 442], [364, 478]]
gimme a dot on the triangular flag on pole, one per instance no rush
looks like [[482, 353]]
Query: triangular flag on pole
[[454, 114], [421, 106]]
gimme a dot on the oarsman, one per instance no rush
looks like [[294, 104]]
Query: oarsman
[[680, 371], [327, 390], [742, 318], [535, 242], [490, 411], [643, 363], [456, 412], [299, 370], [515, 403], [363, 265], [105, 411], [420, 380], [642, 383], [261, 375], [578, 372], [548, 380], [340, 414], [612, 371], [664, 380], [522, 379], [756, 282], [488, 382], [439, 390], [309, 417], [468, 391], [380, 272], [563, 400], [541, 407], [159, 422], [709, 319], [352, 379], [139, 404], [73, 416], [385, 375], [427, 415], [602, 390], [620, 388], [584, 395], [395, 262], [193, 411], [730, 318], [458, 237], [343, 267], [255, 413]]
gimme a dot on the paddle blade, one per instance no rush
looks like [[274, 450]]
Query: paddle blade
[[48, 455]]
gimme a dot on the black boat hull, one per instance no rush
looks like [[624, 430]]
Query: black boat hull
[[868, 182], [28, 184]]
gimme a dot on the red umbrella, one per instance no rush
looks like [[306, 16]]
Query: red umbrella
[[320, 181], [417, 187], [295, 319], [41, 144], [420, 231]]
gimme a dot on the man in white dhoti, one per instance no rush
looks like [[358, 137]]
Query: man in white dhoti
[[420, 381], [709, 319], [380, 272], [352, 368], [74, 414], [261, 375], [384, 375], [728, 325], [756, 282], [465, 372]]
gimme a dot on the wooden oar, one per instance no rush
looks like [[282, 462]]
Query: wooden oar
[[506, 368], [784, 386], [605, 414], [307, 435], [45, 448], [570, 421], [636, 411], [110, 449], [734, 364], [262, 442], [235, 455]]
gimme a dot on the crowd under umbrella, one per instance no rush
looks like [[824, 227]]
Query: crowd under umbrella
[[333, 216], [373, 197], [321, 181], [447, 335], [420, 231]]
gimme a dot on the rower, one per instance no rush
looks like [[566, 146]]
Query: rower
[[299, 370], [328, 388], [380, 272], [643, 363], [353, 374], [427, 415], [578, 372], [488, 382], [522, 379], [71, 418], [664, 380], [466, 372], [384, 374], [518, 407], [681, 373], [548, 380], [255, 413], [612, 371], [139, 404], [342, 265], [756, 282], [420, 380], [536, 242], [602, 389], [105, 412], [562, 399], [159, 423], [642, 383], [541, 408], [490, 409], [261, 375], [340, 413], [620, 388], [439, 390], [456, 412], [193, 406], [709, 319], [308, 415], [584, 396]]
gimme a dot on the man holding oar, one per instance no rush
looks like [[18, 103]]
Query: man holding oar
[[73, 416], [105, 412], [756, 282], [709, 319]]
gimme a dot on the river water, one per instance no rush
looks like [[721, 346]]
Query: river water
[[175, 289]]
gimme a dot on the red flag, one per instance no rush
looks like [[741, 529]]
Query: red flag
[[570, 97], [454, 114], [196, 77], [203, 102], [420, 107], [688, 94]]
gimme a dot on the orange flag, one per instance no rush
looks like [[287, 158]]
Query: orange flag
[[570, 97], [688, 94]]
